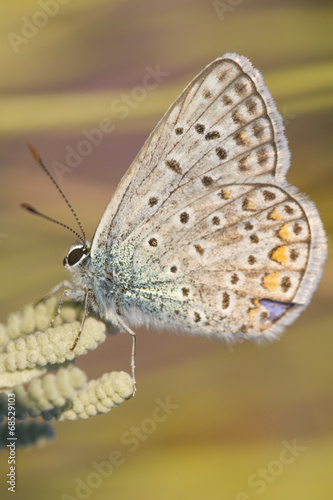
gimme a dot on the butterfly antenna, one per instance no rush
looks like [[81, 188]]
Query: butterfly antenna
[[32, 210]]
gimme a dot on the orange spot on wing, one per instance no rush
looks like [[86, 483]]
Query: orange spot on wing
[[285, 232], [274, 215], [280, 254], [271, 281], [226, 193], [253, 312]]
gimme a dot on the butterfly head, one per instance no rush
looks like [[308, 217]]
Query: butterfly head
[[77, 256]]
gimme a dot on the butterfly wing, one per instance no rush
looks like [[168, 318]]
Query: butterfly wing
[[203, 232], [229, 262]]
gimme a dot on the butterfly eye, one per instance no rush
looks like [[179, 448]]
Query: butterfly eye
[[74, 256]]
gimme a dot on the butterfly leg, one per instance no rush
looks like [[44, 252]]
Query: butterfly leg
[[85, 314], [133, 334], [54, 290], [66, 293]]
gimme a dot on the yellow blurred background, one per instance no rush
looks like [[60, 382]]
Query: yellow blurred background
[[244, 423]]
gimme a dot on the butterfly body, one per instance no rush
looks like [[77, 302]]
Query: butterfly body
[[204, 234]]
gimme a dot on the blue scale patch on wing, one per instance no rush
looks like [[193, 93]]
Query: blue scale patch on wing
[[276, 308]]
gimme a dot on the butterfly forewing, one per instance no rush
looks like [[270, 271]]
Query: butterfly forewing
[[219, 123]]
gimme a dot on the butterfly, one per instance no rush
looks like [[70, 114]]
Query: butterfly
[[204, 234]]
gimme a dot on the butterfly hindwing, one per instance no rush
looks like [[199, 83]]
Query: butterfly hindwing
[[232, 247]]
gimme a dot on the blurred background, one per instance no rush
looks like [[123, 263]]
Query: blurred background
[[243, 423]]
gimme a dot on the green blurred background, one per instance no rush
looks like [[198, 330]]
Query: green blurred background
[[237, 408]]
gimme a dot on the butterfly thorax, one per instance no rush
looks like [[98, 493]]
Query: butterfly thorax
[[86, 276], [111, 282]]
